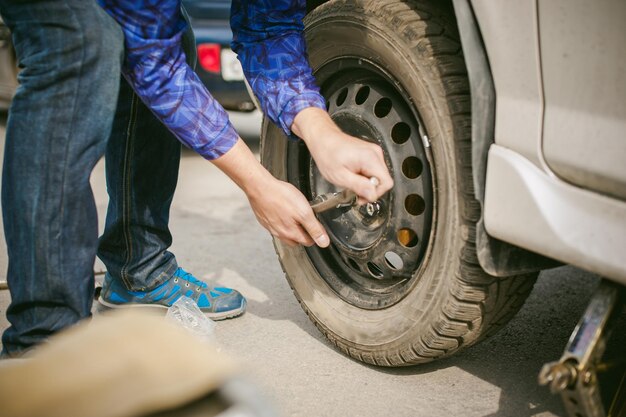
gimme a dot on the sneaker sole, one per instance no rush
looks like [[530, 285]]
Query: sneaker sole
[[213, 316]]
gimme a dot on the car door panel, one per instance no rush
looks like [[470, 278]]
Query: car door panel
[[583, 60]]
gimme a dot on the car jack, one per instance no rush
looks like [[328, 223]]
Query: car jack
[[575, 375]]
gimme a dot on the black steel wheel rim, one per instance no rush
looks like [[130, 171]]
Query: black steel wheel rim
[[377, 249]]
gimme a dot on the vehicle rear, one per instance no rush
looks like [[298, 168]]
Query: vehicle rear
[[217, 65]]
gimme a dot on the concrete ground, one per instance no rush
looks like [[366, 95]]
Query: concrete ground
[[216, 236]]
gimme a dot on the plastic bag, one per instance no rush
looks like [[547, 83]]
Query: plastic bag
[[187, 314]]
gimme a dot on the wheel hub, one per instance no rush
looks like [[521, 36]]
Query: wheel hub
[[377, 247], [377, 239], [357, 227]]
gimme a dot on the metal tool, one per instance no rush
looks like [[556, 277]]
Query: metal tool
[[575, 375], [328, 201]]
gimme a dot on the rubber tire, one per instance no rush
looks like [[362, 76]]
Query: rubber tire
[[454, 303]]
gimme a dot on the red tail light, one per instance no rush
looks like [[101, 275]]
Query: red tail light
[[209, 57]]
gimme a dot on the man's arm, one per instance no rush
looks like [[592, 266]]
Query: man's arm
[[155, 66], [279, 206], [156, 69], [268, 38], [343, 159]]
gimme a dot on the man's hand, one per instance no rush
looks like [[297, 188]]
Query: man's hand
[[282, 209], [279, 206], [342, 159]]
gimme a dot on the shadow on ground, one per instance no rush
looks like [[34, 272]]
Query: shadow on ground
[[217, 234], [510, 360]]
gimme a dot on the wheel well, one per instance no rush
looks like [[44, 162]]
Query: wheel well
[[495, 256]]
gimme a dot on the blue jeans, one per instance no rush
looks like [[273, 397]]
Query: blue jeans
[[70, 110]]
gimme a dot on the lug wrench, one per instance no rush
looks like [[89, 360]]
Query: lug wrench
[[328, 201]]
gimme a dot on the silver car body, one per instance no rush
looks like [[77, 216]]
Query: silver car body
[[556, 172]]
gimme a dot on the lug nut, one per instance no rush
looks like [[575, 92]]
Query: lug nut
[[370, 209]]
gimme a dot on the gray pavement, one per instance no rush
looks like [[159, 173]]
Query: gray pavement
[[216, 236]]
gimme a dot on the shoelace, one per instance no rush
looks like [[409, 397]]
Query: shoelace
[[189, 277]]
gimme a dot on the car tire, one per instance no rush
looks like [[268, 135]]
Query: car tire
[[436, 300]]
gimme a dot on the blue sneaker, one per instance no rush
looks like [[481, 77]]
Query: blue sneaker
[[217, 303]]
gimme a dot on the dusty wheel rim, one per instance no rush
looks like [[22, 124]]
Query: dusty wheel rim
[[375, 249]]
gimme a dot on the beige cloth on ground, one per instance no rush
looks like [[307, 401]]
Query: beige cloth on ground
[[121, 364]]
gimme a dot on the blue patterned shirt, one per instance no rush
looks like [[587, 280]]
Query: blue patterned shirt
[[268, 38]]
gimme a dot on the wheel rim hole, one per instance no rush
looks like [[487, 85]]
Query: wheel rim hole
[[353, 264], [414, 204], [393, 261], [341, 97], [382, 107], [374, 270], [362, 95], [407, 237], [400, 133], [412, 167]]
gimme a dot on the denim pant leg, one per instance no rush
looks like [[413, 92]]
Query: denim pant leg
[[59, 121], [142, 161]]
